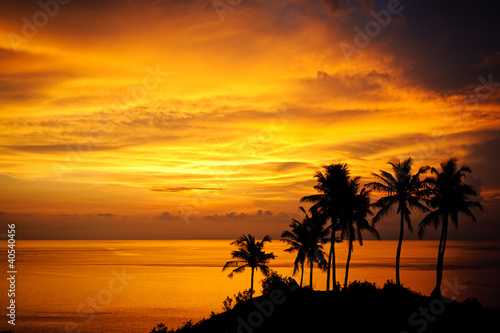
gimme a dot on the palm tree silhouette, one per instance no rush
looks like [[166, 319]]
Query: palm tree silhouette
[[306, 238], [297, 239], [249, 254], [331, 185], [356, 207], [450, 196], [403, 190]]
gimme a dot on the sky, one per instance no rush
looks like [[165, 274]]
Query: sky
[[208, 119]]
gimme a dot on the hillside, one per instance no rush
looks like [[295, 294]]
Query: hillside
[[360, 308]]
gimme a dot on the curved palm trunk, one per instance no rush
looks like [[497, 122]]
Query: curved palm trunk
[[311, 276], [400, 243], [347, 263], [440, 263], [251, 285]]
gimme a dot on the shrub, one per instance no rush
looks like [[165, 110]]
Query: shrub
[[393, 289], [160, 328], [276, 281], [363, 287], [229, 303], [473, 303]]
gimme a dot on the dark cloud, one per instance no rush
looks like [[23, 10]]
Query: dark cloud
[[84, 147], [18, 86], [166, 216], [278, 167], [107, 215], [266, 213], [248, 217], [443, 46], [446, 45], [484, 158], [365, 148], [184, 189], [336, 7], [369, 84]]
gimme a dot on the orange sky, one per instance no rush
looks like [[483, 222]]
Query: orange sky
[[119, 117]]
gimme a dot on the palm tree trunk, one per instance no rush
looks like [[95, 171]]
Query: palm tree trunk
[[311, 275], [440, 263], [251, 285], [334, 274], [347, 263], [328, 271], [400, 243], [302, 274]]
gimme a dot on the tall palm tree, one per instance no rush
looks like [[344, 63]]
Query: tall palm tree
[[307, 238], [450, 196], [249, 254], [403, 190], [331, 185], [353, 219]]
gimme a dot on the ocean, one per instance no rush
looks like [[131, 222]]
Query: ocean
[[130, 286]]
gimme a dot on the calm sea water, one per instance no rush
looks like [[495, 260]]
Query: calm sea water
[[130, 286]]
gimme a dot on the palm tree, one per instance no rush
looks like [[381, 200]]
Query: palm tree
[[249, 254], [296, 238], [450, 196], [307, 237], [331, 185], [403, 190], [353, 220]]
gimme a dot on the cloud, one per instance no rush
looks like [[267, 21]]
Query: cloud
[[107, 215], [166, 216], [266, 213], [209, 129], [259, 216], [484, 157], [184, 189], [441, 44]]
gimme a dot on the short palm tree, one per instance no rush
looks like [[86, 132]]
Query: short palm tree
[[249, 254], [306, 238], [332, 184], [318, 235], [297, 239], [450, 197], [403, 190], [353, 220]]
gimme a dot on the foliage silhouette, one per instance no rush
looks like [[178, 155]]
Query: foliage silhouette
[[450, 196], [249, 254], [345, 205], [403, 190], [362, 305], [306, 239], [276, 281], [239, 298], [331, 185], [356, 207]]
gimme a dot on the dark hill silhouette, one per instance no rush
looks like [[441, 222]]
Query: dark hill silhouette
[[362, 307]]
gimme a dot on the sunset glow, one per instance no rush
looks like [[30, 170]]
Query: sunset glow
[[176, 120]]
